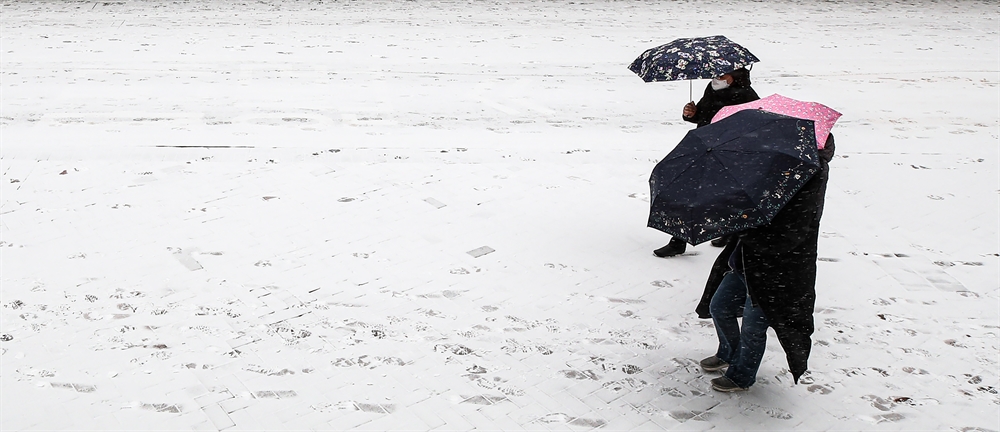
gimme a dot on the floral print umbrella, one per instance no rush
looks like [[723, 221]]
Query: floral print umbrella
[[732, 175], [692, 58], [823, 116]]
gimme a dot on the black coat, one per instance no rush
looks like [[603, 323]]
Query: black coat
[[779, 261], [714, 100]]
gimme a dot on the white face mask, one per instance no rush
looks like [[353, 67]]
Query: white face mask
[[719, 84]]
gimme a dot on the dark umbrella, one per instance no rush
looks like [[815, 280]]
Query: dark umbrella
[[692, 58], [731, 175]]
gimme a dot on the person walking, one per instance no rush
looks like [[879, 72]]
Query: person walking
[[767, 274], [732, 88]]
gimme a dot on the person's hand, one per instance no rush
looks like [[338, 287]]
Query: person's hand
[[690, 109]]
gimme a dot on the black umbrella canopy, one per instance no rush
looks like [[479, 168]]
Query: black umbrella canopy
[[731, 175]]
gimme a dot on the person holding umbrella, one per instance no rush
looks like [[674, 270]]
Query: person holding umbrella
[[711, 57], [767, 273], [732, 88]]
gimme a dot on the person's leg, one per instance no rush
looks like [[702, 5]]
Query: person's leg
[[725, 308], [675, 247], [753, 339]]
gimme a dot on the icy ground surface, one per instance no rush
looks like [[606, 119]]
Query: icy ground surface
[[430, 215]]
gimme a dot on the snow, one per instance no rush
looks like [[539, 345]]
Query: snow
[[419, 215]]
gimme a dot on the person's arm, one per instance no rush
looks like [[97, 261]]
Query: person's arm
[[701, 109], [690, 110]]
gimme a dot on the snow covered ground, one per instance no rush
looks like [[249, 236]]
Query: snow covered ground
[[430, 215]]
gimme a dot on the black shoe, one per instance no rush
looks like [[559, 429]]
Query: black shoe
[[724, 384], [671, 249], [721, 241], [713, 364]]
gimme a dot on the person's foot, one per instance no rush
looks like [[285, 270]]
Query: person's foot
[[671, 249], [713, 364], [724, 384]]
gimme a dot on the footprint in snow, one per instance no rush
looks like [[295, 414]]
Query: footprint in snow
[[955, 343], [628, 300], [879, 403], [916, 351], [880, 371], [570, 420], [607, 366], [772, 412], [627, 383], [973, 379], [36, 373], [820, 388], [580, 375], [275, 394], [195, 366], [512, 346], [454, 349], [640, 196], [483, 399], [80, 388], [884, 418], [161, 407], [685, 415], [672, 392]]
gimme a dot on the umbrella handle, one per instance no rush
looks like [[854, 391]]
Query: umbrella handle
[[691, 90]]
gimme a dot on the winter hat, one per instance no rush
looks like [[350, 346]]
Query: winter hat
[[741, 77]]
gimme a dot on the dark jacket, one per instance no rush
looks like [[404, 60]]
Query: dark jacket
[[714, 100], [779, 262]]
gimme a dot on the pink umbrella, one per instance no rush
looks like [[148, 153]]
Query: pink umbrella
[[823, 116]]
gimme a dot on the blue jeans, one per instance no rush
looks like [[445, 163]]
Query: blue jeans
[[742, 348]]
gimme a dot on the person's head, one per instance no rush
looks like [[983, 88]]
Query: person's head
[[740, 77], [737, 78]]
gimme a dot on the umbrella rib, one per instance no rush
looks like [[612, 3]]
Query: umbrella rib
[[679, 172], [678, 175], [731, 176]]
